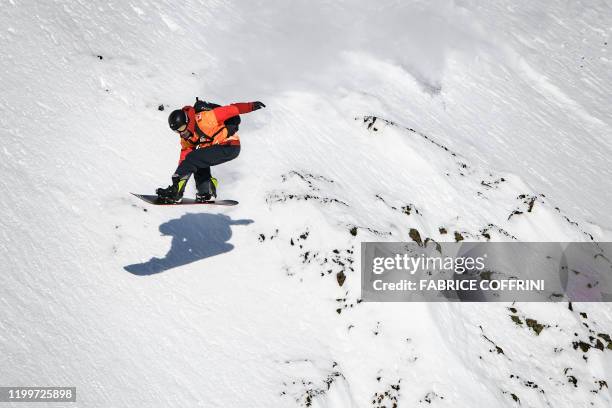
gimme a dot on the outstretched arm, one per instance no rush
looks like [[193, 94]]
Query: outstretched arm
[[225, 112]]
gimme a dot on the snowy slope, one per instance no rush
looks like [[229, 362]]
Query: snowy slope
[[488, 119]]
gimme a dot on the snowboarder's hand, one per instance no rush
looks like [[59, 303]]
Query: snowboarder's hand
[[258, 105]]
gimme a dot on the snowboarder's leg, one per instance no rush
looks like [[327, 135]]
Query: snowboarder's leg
[[210, 156], [206, 185], [202, 176], [199, 162], [174, 193]]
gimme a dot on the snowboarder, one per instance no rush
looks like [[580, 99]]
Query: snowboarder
[[208, 137]]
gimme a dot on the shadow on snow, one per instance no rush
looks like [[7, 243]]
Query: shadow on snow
[[194, 237]]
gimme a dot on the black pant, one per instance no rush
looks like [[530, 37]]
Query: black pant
[[199, 161]]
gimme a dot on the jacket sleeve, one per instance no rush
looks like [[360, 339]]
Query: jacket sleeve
[[186, 148], [225, 112]]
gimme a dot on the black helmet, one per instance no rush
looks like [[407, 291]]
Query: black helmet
[[177, 119]]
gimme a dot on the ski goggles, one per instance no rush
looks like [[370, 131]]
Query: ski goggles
[[185, 134], [181, 129]]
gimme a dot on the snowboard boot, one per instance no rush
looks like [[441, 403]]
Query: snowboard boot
[[173, 194], [207, 191]]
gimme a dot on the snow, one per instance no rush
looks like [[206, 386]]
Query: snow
[[463, 92]]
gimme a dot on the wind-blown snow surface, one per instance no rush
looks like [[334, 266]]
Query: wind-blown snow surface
[[488, 119]]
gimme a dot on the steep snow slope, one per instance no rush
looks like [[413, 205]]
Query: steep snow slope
[[491, 121]]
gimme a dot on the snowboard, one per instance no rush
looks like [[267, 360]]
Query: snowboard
[[153, 199]]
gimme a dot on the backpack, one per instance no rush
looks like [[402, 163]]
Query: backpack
[[231, 124]]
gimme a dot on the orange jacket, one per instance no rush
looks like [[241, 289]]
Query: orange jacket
[[211, 125]]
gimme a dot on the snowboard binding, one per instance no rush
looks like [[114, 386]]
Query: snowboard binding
[[207, 191], [172, 194]]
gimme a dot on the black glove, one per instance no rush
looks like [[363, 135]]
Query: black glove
[[258, 105]]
